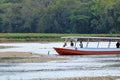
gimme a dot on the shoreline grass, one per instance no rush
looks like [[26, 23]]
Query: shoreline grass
[[45, 37]]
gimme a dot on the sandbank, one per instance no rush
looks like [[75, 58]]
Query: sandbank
[[25, 57], [92, 78], [4, 47]]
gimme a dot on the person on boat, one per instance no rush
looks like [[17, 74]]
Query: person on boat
[[65, 45], [118, 44], [71, 43], [81, 44]]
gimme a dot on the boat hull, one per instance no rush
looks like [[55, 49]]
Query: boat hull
[[65, 51]]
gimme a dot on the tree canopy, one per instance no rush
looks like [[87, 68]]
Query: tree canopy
[[60, 16]]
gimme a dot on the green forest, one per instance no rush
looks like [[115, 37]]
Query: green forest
[[60, 16]]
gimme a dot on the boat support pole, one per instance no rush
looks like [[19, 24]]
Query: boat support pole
[[87, 43], [109, 43], [75, 42], [65, 41], [98, 43]]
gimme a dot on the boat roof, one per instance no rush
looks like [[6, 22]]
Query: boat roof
[[82, 37]]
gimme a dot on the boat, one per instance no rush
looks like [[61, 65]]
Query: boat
[[86, 50]]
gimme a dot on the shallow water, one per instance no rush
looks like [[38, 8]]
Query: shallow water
[[44, 48], [39, 48], [75, 66]]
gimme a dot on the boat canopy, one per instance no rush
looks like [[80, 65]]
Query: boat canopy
[[91, 38]]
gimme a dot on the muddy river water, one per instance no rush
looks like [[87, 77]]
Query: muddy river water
[[74, 66]]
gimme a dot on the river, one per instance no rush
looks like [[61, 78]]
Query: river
[[74, 66]]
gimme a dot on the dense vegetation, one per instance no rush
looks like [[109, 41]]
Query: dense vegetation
[[60, 16]]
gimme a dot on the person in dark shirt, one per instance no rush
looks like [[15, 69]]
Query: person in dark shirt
[[118, 44], [71, 43]]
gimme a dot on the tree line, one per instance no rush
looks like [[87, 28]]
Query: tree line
[[60, 16]]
